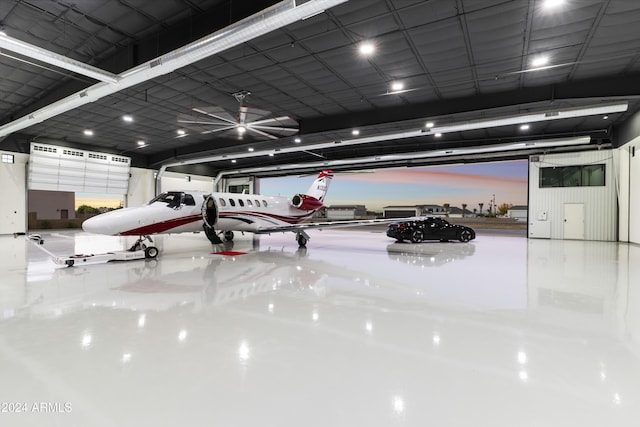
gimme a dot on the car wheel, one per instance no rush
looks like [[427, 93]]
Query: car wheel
[[416, 237], [465, 236]]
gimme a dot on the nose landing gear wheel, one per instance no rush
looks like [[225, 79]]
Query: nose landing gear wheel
[[151, 252]]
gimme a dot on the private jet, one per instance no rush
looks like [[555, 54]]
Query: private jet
[[220, 214]]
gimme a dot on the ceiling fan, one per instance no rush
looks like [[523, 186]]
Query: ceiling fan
[[249, 120]]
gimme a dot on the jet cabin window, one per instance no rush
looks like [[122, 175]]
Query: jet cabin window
[[222, 202], [240, 202], [249, 203], [232, 202], [189, 200], [257, 203]]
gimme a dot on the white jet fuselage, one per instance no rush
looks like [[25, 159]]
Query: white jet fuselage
[[232, 211]]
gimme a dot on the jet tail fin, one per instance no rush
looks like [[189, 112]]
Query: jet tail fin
[[320, 186]]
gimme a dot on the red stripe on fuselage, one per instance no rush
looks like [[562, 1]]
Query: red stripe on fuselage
[[161, 227]]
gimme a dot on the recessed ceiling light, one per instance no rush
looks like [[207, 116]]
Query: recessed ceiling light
[[233, 160], [540, 61], [88, 132], [127, 118], [140, 143], [250, 149], [605, 117], [367, 48], [271, 154], [550, 4], [430, 124], [438, 135], [355, 132], [524, 127], [297, 140], [181, 132], [395, 86]]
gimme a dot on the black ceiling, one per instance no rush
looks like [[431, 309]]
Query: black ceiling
[[459, 60]]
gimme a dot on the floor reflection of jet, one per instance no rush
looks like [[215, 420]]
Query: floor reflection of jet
[[179, 211]]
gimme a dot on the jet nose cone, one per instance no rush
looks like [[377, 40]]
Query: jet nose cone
[[95, 225]]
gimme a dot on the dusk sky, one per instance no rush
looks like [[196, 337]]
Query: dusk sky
[[470, 184]]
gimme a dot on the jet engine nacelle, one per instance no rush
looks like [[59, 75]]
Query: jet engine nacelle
[[305, 203]]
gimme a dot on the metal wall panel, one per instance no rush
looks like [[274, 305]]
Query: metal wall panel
[[546, 205]]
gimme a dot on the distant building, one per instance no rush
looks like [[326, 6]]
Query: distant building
[[52, 204], [339, 212], [455, 212], [519, 213], [409, 211]]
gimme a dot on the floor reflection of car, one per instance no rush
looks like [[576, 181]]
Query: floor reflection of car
[[430, 228], [429, 254]]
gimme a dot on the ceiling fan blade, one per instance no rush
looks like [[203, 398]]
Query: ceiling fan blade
[[273, 128], [218, 116], [202, 122], [261, 133], [282, 119], [217, 130]]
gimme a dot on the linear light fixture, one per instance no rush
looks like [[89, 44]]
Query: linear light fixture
[[61, 61], [567, 113]]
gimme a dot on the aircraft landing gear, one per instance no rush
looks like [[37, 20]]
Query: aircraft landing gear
[[150, 252], [302, 238], [228, 236]]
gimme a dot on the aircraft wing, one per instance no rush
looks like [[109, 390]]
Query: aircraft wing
[[326, 224]]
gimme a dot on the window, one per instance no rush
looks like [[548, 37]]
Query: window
[[189, 200], [572, 176], [7, 158], [249, 203], [240, 202], [264, 203], [222, 202], [257, 203], [232, 202]]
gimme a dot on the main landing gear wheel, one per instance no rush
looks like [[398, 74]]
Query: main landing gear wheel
[[228, 236], [302, 238]]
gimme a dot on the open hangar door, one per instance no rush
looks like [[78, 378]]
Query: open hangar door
[[68, 171]]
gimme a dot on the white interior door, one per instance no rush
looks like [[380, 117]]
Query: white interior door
[[574, 221]]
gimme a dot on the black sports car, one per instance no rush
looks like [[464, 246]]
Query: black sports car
[[431, 228]]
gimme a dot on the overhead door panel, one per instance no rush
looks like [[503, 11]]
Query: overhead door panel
[[56, 168]]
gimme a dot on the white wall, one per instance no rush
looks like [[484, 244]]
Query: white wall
[[172, 181], [634, 193], [600, 203], [13, 189]]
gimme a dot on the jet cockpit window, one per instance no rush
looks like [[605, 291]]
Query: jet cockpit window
[[172, 199]]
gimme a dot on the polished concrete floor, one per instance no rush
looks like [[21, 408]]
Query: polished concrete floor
[[356, 330]]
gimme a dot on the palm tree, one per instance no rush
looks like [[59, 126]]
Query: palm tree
[[464, 207], [481, 205]]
